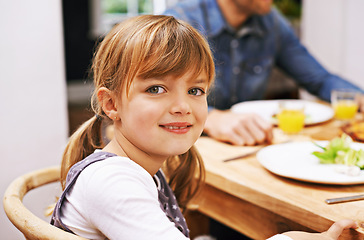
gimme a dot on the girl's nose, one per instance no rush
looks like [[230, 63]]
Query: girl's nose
[[180, 106]]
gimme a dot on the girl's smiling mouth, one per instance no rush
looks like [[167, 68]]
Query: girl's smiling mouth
[[177, 127]]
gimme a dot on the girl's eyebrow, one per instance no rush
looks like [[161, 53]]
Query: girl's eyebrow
[[153, 79], [195, 81], [200, 80]]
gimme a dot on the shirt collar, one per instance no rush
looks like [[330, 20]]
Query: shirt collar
[[254, 25]]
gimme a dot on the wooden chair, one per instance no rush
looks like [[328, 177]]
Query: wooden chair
[[30, 225]]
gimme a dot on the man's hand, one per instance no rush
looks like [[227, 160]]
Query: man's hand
[[237, 128]]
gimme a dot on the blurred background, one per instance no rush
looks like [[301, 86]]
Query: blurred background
[[45, 51]]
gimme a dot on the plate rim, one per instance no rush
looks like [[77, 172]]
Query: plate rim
[[261, 161], [328, 108]]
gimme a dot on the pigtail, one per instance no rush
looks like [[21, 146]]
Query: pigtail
[[82, 143], [185, 174]]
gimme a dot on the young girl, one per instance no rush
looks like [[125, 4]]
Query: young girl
[[151, 76]]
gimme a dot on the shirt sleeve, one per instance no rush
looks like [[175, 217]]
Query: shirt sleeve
[[122, 203], [279, 237], [296, 61]]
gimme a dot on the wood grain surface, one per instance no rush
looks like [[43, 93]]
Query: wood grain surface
[[246, 197]]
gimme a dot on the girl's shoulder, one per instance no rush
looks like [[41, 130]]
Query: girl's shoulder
[[114, 179], [116, 168], [113, 186]]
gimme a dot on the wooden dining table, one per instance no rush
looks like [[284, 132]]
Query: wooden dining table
[[248, 198]]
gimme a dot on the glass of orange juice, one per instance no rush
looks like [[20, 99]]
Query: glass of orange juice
[[344, 103], [291, 116]]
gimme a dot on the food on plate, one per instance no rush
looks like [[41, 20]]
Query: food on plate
[[339, 151], [355, 129], [347, 170]]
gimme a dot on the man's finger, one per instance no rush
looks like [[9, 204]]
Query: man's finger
[[245, 135], [266, 127]]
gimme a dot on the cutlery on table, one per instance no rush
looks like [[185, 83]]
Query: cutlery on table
[[242, 156], [345, 199], [252, 152]]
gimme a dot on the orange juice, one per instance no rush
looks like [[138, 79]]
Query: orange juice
[[291, 120], [345, 109]]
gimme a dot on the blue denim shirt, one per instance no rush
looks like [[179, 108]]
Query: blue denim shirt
[[244, 58]]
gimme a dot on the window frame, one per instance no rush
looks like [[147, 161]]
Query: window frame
[[101, 23]]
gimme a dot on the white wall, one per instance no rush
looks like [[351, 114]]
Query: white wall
[[33, 121], [160, 5], [332, 31]]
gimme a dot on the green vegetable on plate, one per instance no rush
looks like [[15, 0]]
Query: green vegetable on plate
[[338, 151]]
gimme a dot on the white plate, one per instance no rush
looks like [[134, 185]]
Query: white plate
[[315, 112], [295, 160]]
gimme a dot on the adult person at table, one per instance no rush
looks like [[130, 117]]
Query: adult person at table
[[248, 38]]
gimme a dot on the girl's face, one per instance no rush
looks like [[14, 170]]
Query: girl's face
[[163, 116]]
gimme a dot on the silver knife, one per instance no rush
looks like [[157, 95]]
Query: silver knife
[[252, 152], [241, 156], [345, 199]]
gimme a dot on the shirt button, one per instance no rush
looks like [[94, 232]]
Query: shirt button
[[236, 70], [234, 43], [257, 69]]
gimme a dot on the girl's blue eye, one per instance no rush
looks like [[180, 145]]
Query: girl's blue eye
[[196, 91], [155, 90]]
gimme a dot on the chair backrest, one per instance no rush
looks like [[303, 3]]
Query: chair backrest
[[30, 225]]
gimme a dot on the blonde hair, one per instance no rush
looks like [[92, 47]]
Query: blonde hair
[[145, 46]]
